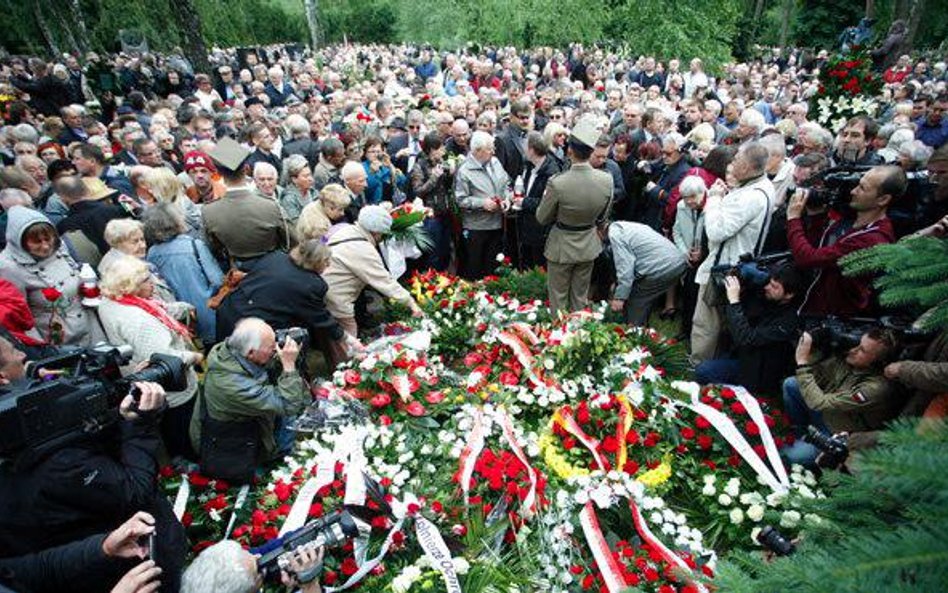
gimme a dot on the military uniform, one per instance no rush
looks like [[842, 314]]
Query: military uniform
[[849, 399], [575, 202]]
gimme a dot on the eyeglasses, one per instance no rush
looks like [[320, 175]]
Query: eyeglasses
[[413, 127]]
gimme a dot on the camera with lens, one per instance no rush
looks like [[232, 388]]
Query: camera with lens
[[76, 394], [831, 187], [331, 531], [752, 271], [833, 334], [834, 448], [299, 335], [775, 541]]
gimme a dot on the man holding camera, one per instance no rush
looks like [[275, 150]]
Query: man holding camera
[[762, 329], [831, 293], [238, 393], [841, 393], [89, 484]]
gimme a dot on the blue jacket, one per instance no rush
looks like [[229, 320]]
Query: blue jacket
[[376, 190], [194, 276]]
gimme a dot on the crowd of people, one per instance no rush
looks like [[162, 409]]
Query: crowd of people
[[202, 214]]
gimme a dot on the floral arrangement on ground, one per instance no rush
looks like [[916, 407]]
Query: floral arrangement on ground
[[490, 447]]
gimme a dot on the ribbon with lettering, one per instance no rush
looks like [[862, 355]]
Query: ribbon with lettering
[[437, 551]]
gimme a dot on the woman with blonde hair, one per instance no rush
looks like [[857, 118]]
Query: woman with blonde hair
[[166, 188], [126, 237], [130, 314], [318, 218]]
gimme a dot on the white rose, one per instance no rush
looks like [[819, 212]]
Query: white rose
[[775, 498], [724, 500], [708, 490], [461, 566], [755, 513], [736, 516], [790, 519], [733, 486]]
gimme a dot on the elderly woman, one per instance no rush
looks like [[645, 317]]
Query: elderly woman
[[131, 315], [165, 187], [556, 136], [126, 238], [688, 235], [381, 176], [329, 210], [297, 181], [356, 264], [38, 264], [431, 181], [287, 290], [187, 264]]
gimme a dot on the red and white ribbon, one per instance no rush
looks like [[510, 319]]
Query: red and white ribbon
[[569, 424], [402, 386], [526, 331], [608, 566], [470, 453], [430, 540], [753, 408], [641, 526], [530, 498], [725, 426], [523, 356], [366, 568]]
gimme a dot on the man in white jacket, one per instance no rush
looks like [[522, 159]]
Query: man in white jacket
[[735, 222]]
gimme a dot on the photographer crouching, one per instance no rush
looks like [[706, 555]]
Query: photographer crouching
[[762, 327], [842, 393], [239, 422], [80, 473]]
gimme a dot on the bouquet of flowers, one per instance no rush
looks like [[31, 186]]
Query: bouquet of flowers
[[847, 89]]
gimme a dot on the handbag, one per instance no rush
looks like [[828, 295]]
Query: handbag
[[715, 295], [229, 450]]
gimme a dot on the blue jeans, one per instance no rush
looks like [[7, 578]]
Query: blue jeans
[[801, 416], [439, 229], [719, 370], [284, 437]]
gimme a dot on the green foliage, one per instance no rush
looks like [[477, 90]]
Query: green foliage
[[820, 22], [367, 21], [883, 527], [525, 286], [914, 276]]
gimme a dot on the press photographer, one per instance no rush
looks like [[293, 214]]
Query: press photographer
[[842, 393], [762, 321], [240, 420], [831, 293], [89, 464], [226, 567]]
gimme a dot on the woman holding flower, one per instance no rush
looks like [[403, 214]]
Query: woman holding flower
[[36, 261]]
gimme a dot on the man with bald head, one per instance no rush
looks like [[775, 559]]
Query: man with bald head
[[459, 142], [238, 391]]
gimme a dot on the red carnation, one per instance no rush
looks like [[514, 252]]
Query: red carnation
[[415, 409], [381, 400], [349, 567], [727, 393], [330, 577], [198, 480], [508, 378], [282, 491], [434, 397], [704, 441], [702, 423], [51, 294], [751, 428], [687, 433]]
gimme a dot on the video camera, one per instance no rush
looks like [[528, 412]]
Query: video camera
[[75, 394], [299, 335], [834, 334], [831, 187], [751, 271]]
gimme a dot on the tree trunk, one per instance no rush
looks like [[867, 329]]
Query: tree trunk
[[44, 28], [785, 23], [64, 16], [312, 20], [870, 9], [189, 22], [914, 20], [82, 32], [755, 25]]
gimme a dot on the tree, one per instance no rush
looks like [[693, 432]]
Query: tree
[[189, 20], [312, 7]]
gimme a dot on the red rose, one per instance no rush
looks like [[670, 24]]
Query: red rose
[[398, 538], [166, 471], [473, 359], [702, 423], [687, 433], [651, 439], [282, 491], [569, 443], [51, 294], [610, 444], [508, 378], [198, 480], [704, 441], [588, 581], [349, 567], [632, 438], [381, 400], [651, 575], [315, 510], [385, 420], [352, 377], [727, 393], [187, 519], [416, 409], [738, 408], [751, 428], [434, 397], [330, 577]]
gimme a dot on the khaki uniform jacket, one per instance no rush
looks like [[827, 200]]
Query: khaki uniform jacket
[[578, 198], [245, 224], [850, 400]]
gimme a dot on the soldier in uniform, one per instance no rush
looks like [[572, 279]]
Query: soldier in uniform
[[576, 202]]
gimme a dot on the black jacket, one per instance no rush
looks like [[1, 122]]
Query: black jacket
[[75, 566], [304, 146], [763, 341], [258, 156], [282, 294], [531, 231], [509, 150], [91, 217], [86, 488], [47, 94], [437, 194]]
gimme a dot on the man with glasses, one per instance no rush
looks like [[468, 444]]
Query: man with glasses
[[225, 84], [405, 149], [510, 145]]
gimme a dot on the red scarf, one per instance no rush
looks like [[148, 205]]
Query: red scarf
[[157, 310]]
